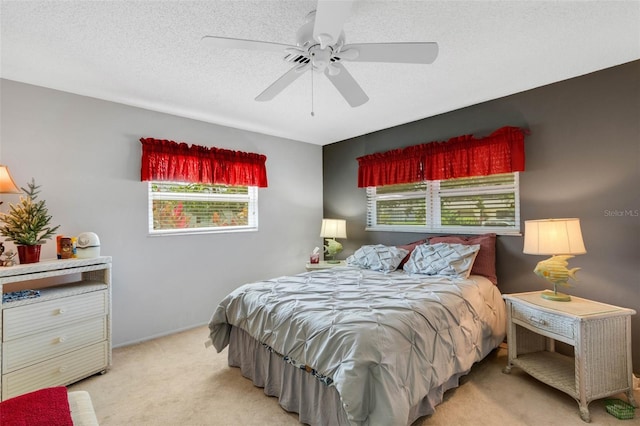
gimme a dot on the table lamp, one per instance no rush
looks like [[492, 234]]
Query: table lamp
[[332, 229], [560, 238], [7, 186]]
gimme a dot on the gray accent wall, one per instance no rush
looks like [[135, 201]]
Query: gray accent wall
[[582, 160], [85, 153]]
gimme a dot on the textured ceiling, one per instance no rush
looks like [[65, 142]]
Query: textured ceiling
[[148, 54]]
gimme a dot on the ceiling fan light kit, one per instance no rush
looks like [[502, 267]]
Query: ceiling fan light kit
[[320, 46]]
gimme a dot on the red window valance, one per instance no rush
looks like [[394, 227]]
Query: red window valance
[[463, 156], [165, 160]]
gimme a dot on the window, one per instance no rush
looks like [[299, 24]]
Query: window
[[465, 205], [198, 189], [179, 208]]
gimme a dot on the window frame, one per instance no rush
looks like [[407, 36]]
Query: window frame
[[252, 210], [433, 220]]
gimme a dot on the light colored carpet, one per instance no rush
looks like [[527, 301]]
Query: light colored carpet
[[176, 381]]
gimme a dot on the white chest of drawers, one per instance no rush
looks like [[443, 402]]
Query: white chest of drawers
[[63, 335], [599, 333]]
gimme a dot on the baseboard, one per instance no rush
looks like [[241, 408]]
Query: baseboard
[[157, 336]]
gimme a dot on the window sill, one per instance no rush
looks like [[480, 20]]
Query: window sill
[[223, 230]]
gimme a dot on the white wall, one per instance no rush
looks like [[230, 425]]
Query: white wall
[[86, 155]]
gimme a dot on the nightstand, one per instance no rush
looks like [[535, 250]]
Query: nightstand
[[323, 265], [601, 337]]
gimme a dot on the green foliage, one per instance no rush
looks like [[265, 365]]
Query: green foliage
[[27, 223], [197, 205]]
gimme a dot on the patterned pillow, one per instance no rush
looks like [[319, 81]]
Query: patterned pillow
[[454, 260], [377, 257], [485, 263], [410, 247]]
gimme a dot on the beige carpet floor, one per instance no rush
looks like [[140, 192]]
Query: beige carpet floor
[[176, 381]]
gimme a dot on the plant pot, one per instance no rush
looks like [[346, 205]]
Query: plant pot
[[29, 254]]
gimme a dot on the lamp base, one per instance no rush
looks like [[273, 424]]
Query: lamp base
[[333, 262], [555, 296]]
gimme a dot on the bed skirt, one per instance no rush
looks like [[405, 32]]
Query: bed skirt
[[300, 392]]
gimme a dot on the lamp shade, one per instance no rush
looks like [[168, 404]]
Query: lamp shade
[[333, 228], [7, 185], [553, 236]]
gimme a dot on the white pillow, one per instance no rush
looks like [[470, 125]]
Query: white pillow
[[377, 257], [453, 260]]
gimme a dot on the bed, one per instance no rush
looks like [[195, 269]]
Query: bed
[[376, 342]]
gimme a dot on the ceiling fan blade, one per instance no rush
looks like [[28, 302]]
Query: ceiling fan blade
[[330, 17], [238, 43], [347, 85], [406, 53], [282, 83]]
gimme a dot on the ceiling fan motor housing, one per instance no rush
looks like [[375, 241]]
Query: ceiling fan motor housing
[[319, 57]]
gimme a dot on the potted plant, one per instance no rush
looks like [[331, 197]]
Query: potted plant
[[27, 224]]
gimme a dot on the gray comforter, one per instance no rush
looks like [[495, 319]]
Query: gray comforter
[[385, 340]]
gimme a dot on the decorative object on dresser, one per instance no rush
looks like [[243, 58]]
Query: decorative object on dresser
[[332, 229], [66, 248], [560, 238], [60, 335], [601, 337], [9, 257], [27, 224], [88, 245]]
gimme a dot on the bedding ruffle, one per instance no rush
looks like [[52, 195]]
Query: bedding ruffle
[[298, 392], [386, 340]]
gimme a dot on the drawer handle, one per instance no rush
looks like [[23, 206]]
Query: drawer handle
[[62, 339], [538, 321], [62, 369], [61, 311]]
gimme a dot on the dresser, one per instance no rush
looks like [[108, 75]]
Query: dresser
[[62, 335], [599, 333]]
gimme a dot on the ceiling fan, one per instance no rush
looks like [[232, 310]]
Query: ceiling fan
[[320, 46]]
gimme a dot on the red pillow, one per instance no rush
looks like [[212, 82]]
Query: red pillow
[[410, 247], [485, 263], [44, 407]]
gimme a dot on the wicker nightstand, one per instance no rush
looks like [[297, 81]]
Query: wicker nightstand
[[323, 265], [599, 333]]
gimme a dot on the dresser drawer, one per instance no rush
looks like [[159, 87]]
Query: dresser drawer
[[58, 371], [543, 321], [29, 319], [19, 353]]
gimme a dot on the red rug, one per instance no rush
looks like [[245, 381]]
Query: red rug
[[44, 407]]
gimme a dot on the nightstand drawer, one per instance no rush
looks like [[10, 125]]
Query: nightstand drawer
[[29, 350], [29, 319], [544, 321]]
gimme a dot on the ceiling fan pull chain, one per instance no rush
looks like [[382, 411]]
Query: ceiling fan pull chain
[[312, 114]]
